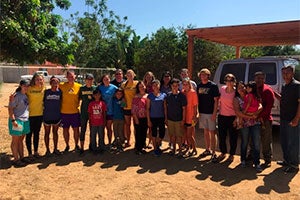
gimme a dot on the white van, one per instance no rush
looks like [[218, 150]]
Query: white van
[[244, 69]]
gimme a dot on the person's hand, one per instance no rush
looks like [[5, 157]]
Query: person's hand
[[294, 122], [213, 117], [15, 124], [149, 124]]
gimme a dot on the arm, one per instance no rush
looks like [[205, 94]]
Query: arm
[[11, 116], [148, 113], [183, 115], [166, 111], [214, 115], [248, 103], [277, 95], [238, 111], [296, 119], [268, 102]]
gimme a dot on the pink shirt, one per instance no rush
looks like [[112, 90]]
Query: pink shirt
[[254, 104], [226, 102], [139, 106]]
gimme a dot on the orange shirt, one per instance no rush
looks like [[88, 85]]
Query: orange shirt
[[192, 101]]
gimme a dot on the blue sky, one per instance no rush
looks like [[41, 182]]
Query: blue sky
[[147, 16]]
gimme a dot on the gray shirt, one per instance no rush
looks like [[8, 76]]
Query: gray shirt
[[20, 106]]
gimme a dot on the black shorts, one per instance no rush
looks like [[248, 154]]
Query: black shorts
[[127, 112], [52, 122]]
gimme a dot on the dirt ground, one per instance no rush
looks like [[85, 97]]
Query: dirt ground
[[130, 176]]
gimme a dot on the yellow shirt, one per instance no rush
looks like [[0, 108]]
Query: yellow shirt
[[35, 96], [70, 98], [129, 93]]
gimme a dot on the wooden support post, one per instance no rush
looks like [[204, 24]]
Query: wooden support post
[[190, 53], [237, 52]]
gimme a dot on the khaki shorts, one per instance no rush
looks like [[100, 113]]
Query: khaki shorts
[[206, 122], [175, 128]]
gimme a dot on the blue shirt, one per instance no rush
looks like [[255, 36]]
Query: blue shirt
[[118, 105], [157, 105], [107, 94]]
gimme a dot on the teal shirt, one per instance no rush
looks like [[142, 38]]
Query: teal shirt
[[86, 96]]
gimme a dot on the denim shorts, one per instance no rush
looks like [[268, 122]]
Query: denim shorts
[[68, 120]]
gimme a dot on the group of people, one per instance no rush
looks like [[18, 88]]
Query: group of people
[[154, 105]]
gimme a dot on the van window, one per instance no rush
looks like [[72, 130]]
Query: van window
[[268, 68], [237, 69]]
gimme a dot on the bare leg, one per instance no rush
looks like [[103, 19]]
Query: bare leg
[[213, 138], [127, 128], [109, 130], [207, 139], [55, 136], [76, 135], [46, 137], [15, 147], [66, 136]]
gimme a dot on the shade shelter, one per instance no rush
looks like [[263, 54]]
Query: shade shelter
[[265, 34]]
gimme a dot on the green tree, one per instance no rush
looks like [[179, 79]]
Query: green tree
[[29, 32], [102, 36]]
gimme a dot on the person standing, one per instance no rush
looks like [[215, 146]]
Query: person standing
[[166, 82], [97, 115], [156, 115], [208, 97], [86, 96], [190, 116], [118, 78], [129, 88], [51, 115], [289, 120], [226, 118], [69, 109], [35, 94], [184, 73], [176, 103], [250, 127], [18, 122], [107, 93], [267, 98], [139, 113]]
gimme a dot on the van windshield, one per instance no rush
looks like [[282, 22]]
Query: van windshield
[[237, 69]]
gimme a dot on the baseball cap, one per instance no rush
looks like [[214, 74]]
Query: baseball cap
[[89, 76], [25, 82]]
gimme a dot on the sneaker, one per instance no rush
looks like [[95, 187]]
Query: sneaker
[[56, 152], [266, 164], [243, 164], [157, 152], [67, 149], [221, 157], [48, 153], [214, 158], [258, 168], [77, 148], [230, 158], [81, 151], [282, 163], [205, 153]]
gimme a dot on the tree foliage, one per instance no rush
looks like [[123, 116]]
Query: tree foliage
[[29, 32]]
